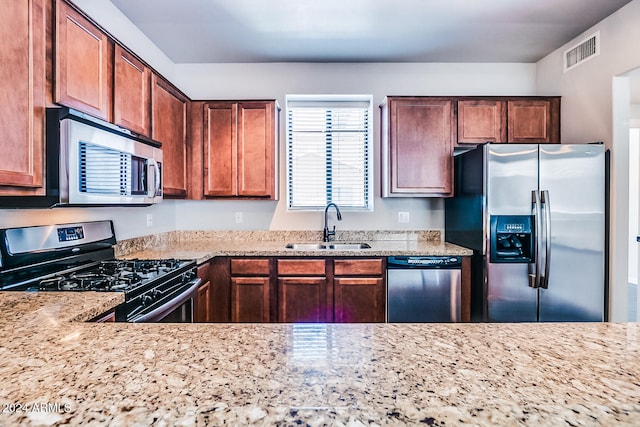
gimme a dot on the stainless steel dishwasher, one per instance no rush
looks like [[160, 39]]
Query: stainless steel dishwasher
[[423, 289]]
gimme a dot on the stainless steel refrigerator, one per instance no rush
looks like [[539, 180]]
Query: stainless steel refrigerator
[[535, 216]]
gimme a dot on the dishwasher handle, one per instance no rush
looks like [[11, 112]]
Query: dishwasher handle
[[424, 262]]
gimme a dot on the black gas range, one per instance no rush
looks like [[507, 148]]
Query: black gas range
[[80, 257]]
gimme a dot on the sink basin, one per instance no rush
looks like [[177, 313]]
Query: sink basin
[[327, 246], [346, 246]]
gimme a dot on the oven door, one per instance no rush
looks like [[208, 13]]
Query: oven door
[[177, 307]]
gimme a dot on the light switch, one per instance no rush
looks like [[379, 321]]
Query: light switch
[[149, 220], [238, 217]]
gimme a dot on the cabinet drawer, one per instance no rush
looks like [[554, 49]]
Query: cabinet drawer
[[301, 267], [358, 267], [256, 267], [204, 271]]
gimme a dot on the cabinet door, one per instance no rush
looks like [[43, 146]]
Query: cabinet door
[[303, 299], [83, 64], [23, 57], [131, 93], [534, 120], [256, 149], [169, 126], [482, 121], [250, 299], [220, 149], [358, 299], [203, 313], [420, 148]]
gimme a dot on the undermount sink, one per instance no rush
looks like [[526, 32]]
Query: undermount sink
[[327, 246]]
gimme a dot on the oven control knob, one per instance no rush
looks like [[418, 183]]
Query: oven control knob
[[155, 294], [147, 300]]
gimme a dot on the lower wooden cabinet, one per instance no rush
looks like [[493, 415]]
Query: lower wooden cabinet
[[303, 299], [250, 299], [292, 290], [358, 288], [203, 309], [251, 290], [203, 305]]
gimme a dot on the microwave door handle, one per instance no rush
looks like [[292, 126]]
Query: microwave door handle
[[153, 169], [158, 179]]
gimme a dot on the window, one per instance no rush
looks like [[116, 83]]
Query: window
[[329, 151]]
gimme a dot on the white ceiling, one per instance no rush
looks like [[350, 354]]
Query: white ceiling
[[210, 31]]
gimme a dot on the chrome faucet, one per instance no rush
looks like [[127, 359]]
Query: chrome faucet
[[329, 235]]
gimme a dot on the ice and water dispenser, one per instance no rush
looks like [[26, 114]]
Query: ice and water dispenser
[[512, 239]]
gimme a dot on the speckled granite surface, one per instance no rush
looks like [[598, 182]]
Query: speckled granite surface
[[282, 374], [203, 245]]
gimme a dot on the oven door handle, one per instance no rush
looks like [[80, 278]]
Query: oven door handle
[[190, 290]]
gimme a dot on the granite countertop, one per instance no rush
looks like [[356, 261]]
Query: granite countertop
[[315, 374], [203, 246]]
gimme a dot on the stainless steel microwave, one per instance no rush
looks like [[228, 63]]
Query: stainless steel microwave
[[92, 162]]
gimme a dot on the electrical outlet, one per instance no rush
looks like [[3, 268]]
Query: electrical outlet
[[403, 216], [149, 220], [238, 217]]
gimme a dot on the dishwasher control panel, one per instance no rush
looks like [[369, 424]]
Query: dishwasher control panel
[[424, 262]]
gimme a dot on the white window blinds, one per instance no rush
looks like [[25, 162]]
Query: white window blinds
[[328, 151]]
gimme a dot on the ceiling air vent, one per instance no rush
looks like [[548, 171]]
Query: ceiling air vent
[[586, 49]]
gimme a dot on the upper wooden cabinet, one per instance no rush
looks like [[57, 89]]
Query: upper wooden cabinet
[[169, 126], [23, 26], [534, 120], [83, 64], [239, 153], [417, 146], [508, 119], [131, 93], [481, 121]]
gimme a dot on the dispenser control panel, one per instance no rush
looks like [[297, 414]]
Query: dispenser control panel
[[512, 239]]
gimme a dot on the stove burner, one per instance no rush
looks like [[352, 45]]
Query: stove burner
[[117, 275]]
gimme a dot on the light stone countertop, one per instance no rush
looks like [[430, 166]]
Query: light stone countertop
[[201, 248], [317, 374]]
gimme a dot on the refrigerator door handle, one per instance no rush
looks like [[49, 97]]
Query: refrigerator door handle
[[546, 209], [536, 267]]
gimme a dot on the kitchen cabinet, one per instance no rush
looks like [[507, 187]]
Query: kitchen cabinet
[[327, 289], [131, 93], [83, 63], [508, 119], [203, 303], [534, 120], [204, 307], [303, 294], [169, 109], [250, 290], [239, 149], [482, 120], [23, 25], [417, 146], [359, 290]]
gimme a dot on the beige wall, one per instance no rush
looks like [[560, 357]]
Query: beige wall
[[596, 106]]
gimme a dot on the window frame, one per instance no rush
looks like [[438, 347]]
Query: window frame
[[337, 99]]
